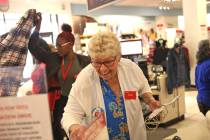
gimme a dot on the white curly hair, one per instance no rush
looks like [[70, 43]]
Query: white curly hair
[[104, 44]]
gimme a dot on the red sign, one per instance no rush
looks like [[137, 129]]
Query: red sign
[[4, 2], [4, 5], [179, 31], [159, 25], [129, 95]]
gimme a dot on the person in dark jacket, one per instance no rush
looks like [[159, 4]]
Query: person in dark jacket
[[202, 76], [64, 65]]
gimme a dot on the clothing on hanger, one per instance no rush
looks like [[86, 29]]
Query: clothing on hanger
[[176, 68], [160, 54], [13, 53]]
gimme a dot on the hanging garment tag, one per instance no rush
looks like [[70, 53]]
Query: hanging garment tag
[[130, 95]]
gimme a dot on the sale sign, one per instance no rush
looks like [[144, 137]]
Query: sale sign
[[4, 5], [25, 118]]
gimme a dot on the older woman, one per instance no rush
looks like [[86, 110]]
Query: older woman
[[111, 85], [202, 76]]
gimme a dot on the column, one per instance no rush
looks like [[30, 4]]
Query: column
[[195, 28]]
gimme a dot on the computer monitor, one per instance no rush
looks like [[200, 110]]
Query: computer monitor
[[131, 47]]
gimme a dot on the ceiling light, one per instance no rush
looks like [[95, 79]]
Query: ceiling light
[[166, 4], [164, 7], [169, 0]]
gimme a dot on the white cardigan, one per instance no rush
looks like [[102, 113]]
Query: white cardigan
[[86, 94]]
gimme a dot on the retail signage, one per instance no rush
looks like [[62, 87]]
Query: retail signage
[[4, 5], [203, 31], [96, 4], [3, 1], [159, 26], [179, 31], [161, 32], [25, 118]]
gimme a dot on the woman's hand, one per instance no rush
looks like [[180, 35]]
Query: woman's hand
[[77, 132], [150, 100], [153, 104]]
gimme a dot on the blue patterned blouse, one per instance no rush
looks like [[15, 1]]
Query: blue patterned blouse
[[115, 114]]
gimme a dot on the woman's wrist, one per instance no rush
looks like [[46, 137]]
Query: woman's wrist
[[148, 98], [151, 99]]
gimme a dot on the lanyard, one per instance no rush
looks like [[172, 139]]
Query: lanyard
[[64, 72]]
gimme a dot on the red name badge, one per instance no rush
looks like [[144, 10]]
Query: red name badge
[[130, 95]]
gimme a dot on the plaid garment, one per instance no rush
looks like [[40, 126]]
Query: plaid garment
[[13, 52]]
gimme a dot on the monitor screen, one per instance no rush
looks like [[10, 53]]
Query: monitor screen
[[95, 4], [131, 47]]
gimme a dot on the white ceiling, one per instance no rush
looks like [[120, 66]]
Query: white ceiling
[[137, 3]]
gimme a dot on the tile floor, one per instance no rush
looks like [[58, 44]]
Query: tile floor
[[194, 127]]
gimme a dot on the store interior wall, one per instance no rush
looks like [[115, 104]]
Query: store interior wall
[[121, 22], [169, 18], [66, 10], [81, 9]]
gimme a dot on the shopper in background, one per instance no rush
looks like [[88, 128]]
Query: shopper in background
[[202, 76], [64, 65], [110, 85], [152, 35], [144, 37]]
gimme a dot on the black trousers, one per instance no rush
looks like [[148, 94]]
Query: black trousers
[[58, 132], [204, 109]]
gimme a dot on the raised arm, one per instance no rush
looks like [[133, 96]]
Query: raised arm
[[37, 46], [40, 49]]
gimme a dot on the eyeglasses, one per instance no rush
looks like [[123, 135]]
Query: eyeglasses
[[108, 64], [61, 45]]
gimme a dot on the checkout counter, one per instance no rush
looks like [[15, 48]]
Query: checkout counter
[[132, 49], [175, 111]]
